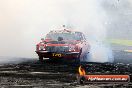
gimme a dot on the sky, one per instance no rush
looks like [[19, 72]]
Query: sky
[[24, 22]]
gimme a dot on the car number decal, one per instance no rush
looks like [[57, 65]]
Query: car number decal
[[57, 55]]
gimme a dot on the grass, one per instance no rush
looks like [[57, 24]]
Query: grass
[[120, 42]]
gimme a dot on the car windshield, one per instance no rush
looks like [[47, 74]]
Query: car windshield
[[65, 36]]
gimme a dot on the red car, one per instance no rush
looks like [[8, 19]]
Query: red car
[[63, 44]]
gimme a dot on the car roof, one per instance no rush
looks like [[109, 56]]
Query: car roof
[[64, 31]]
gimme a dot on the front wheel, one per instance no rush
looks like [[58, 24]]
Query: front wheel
[[40, 58], [77, 60]]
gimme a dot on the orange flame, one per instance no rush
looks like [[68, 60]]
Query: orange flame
[[81, 71]]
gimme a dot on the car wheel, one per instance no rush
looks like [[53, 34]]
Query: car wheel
[[78, 59], [40, 58]]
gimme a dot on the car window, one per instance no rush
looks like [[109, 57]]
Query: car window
[[65, 36], [79, 35]]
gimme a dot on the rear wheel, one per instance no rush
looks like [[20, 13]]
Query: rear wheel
[[40, 58]]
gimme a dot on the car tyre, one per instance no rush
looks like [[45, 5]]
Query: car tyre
[[40, 58], [77, 60]]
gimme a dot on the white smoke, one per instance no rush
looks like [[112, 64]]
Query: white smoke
[[100, 53], [89, 17], [24, 22]]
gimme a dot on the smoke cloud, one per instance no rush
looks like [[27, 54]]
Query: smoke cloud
[[24, 22]]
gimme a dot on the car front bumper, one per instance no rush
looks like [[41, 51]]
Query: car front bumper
[[66, 55]]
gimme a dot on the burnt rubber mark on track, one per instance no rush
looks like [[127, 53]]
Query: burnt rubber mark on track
[[38, 74], [56, 74]]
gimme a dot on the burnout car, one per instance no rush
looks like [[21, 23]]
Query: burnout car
[[63, 44]]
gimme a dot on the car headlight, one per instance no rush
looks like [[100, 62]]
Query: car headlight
[[72, 48], [41, 47]]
